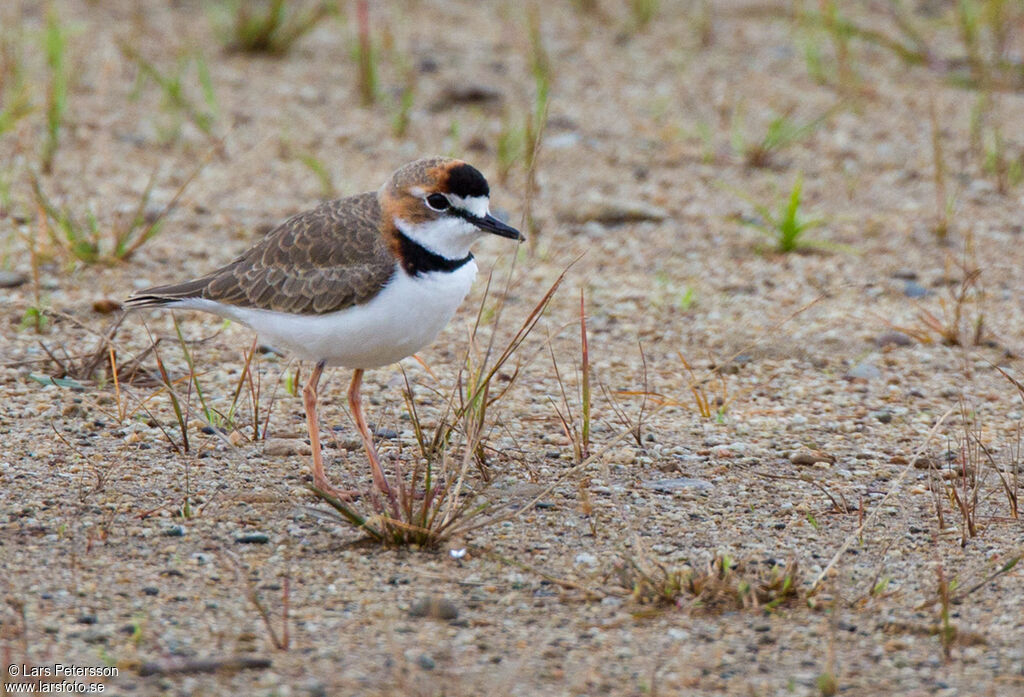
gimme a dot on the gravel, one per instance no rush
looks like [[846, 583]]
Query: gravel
[[731, 360]]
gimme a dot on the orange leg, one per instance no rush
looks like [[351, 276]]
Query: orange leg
[[354, 402], [309, 400]]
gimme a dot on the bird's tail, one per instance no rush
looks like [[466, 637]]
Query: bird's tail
[[159, 296]]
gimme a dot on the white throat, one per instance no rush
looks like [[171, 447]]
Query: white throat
[[448, 236]]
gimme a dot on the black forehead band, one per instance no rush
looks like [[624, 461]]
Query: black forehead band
[[466, 180]]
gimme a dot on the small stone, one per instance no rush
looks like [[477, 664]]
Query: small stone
[[864, 371], [893, 339], [563, 140], [315, 688], [386, 433], [677, 484], [12, 279], [236, 438], [913, 289], [426, 662], [882, 415], [624, 456], [105, 306], [463, 93], [612, 211], [151, 590], [174, 531], [434, 607], [253, 538], [586, 558], [87, 619], [72, 410], [905, 274], [806, 456], [284, 447]]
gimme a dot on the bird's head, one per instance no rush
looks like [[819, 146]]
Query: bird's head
[[441, 204]]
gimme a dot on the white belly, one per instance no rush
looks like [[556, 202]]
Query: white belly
[[403, 318]]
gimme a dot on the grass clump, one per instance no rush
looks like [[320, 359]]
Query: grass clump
[[178, 100], [723, 584], [365, 55], [436, 502], [782, 132], [272, 26], [960, 317], [90, 242], [55, 42], [15, 102], [642, 13], [787, 226]]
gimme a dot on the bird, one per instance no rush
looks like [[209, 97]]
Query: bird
[[359, 282]]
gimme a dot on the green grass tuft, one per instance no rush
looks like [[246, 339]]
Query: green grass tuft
[[272, 27], [787, 226]]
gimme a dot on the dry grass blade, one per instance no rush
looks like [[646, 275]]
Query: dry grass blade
[[478, 376], [181, 415], [585, 377], [880, 505], [280, 641]]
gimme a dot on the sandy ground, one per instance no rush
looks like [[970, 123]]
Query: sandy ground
[[828, 352]]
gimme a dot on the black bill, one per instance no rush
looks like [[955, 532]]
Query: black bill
[[491, 224]]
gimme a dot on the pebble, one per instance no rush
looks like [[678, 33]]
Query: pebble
[[283, 447], [677, 484], [586, 558], [864, 371], [729, 450], [473, 93], [315, 688], [12, 279], [563, 140], [624, 456], [253, 538], [893, 339], [434, 607], [882, 415], [806, 456], [174, 531], [105, 306], [913, 289], [612, 211]]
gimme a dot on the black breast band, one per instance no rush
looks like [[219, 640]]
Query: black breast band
[[417, 259]]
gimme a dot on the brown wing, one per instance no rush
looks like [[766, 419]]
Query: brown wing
[[323, 260]]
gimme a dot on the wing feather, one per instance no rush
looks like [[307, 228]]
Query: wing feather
[[324, 260]]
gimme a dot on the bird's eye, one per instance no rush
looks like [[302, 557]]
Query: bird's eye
[[438, 202]]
